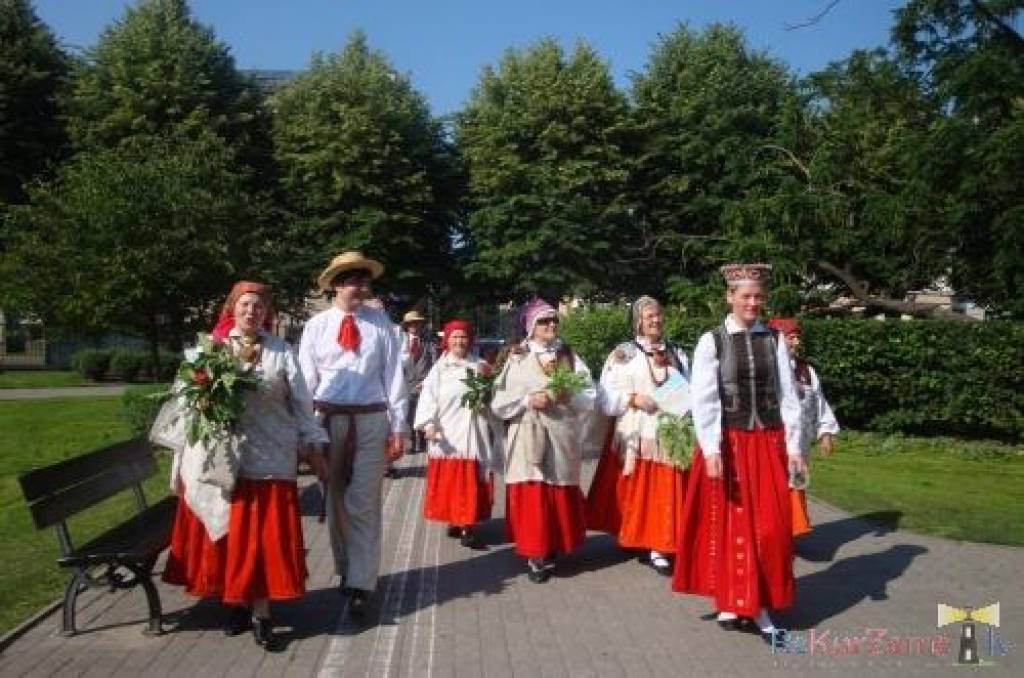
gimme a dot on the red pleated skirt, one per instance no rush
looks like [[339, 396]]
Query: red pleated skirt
[[456, 494], [736, 533], [798, 507], [261, 556], [641, 509], [544, 519]]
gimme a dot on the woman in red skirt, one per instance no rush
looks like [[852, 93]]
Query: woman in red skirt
[[460, 454], [735, 537], [545, 511], [246, 547], [637, 490]]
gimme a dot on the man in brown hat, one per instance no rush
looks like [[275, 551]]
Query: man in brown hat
[[350, 358], [418, 356]]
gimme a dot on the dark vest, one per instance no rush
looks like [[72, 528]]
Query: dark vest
[[748, 379]]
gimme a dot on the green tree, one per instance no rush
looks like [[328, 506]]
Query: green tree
[[142, 238], [363, 165], [706, 106], [32, 74], [969, 56], [545, 140], [157, 71], [842, 189]]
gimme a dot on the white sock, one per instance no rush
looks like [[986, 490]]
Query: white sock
[[658, 558], [726, 616], [764, 622]]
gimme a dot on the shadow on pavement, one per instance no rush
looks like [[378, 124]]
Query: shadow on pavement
[[821, 545], [823, 595]]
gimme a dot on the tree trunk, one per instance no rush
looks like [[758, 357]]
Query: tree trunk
[[860, 291]]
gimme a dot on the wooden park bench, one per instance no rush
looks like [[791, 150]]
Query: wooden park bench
[[127, 551]]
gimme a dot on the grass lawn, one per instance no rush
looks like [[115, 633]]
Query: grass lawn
[[970, 490], [40, 432], [41, 379]]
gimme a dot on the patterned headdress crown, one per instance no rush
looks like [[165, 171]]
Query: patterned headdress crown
[[735, 274]]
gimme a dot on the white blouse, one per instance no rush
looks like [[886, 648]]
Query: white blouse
[[816, 416], [629, 371], [707, 403], [465, 434], [372, 375]]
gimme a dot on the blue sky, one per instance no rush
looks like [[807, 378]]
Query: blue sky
[[443, 44]]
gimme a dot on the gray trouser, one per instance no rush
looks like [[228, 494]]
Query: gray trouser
[[354, 513]]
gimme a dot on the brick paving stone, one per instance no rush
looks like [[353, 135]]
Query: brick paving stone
[[443, 610]]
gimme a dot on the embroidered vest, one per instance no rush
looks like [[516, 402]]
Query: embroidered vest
[[748, 379]]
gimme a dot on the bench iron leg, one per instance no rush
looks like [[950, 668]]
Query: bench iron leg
[[70, 599], [143, 576]]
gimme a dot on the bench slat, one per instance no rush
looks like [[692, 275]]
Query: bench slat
[[53, 508], [56, 477], [142, 537]]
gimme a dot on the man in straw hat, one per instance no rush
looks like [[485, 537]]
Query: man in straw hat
[[350, 358], [418, 356]]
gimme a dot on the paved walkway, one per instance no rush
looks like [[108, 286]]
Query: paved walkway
[[447, 611], [61, 392]]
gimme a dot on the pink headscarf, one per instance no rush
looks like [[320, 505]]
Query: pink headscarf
[[226, 321], [534, 310]]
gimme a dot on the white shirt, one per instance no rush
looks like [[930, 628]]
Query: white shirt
[[817, 418], [371, 375], [466, 434], [707, 403]]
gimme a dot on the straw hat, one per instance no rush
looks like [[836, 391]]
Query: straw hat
[[413, 317], [347, 261]]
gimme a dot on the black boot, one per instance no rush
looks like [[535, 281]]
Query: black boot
[[239, 620], [263, 634], [470, 540]]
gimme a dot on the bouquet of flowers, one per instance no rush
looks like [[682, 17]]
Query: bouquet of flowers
[[677, 437], [481, 388], [563, 381], [211, 385]]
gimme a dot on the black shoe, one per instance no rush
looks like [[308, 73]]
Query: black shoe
[[729, 624], [454, 531], [391, 473], [263, 634], [358, 603], [538, 570], [470, 540], [239, 621]]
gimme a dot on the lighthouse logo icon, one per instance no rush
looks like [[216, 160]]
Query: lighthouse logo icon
[[988, 615]]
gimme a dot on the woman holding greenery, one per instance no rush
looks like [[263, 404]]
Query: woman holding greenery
[[638, 488], [543, 391], [460, 451], [244, 546]]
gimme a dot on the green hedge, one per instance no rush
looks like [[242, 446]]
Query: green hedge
[[140, 409], [125, 364], [922, 376]]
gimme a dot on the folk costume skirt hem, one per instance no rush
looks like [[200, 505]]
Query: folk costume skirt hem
[[543, 519], [641, 509], [457, 493], [735, 540], [261, 557]]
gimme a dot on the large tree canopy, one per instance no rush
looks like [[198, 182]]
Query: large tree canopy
[[706, 106], [543, 140], [32, 72], [140, 238], [363, 165], [158, 71]]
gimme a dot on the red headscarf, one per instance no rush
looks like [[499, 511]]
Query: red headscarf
[[785, 325], [226, 321], [453, 325]]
